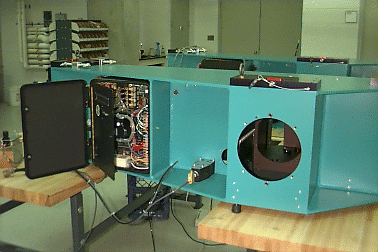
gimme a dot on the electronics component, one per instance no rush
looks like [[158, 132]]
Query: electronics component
[[289, 83], [228, 64], [131, 122], [202, 169], [323, 60], [122, 161]]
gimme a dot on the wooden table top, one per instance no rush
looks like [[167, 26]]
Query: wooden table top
[[47, 191], [350, 229]]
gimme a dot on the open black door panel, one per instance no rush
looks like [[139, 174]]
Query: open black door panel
[[54, 127], [103, 128]]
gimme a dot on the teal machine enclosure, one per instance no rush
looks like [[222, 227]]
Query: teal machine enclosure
[[195, 113], [281, 64]]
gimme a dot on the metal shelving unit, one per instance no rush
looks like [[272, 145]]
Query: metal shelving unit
[[37, 46], [72, 39]]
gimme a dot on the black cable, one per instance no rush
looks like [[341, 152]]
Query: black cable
[[152, 233], [161, 180], [165, 196], [151, 203], [104, 203], [94, 214], [211, 204], [94, 188], [186, 232]]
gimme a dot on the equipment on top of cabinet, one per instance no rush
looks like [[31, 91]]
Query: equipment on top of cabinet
[[323, 60]]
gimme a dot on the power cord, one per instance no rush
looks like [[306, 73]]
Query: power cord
[[186, 232], [187, 202], [161, 181], [273, 84], [152, 233], [91, 184], [151, 203], [182, 57], [165, 196]]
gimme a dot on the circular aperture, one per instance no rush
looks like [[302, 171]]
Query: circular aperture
[[224, 156], [124, 127], [269, 149]]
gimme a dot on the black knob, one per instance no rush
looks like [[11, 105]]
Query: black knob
[[236, 208]]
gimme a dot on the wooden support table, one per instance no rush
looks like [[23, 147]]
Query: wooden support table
[[350, 229], [48, 191]]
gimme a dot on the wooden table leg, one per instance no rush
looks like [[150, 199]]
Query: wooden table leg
[[77, 220]]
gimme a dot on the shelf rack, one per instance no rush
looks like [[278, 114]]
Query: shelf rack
[[37, 46], [72, 39]]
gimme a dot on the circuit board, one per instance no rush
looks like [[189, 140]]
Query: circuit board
[[131, 123]]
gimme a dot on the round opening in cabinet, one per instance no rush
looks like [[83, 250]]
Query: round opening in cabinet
[[124, 127], [269, 149]]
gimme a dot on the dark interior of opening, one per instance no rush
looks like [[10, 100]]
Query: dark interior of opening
[[269, 149]]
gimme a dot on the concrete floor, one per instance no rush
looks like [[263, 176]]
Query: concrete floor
[[49, 229]]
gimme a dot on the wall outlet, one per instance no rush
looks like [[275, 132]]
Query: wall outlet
[[210, 37]]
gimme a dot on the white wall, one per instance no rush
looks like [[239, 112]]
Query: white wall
[[74, 9], [325, 32], [1, 69], [35, 227], [15, 75], [368, 30], [204, 18], [155, 24]]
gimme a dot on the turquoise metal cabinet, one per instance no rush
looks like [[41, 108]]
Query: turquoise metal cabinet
[[195, 113], [275, 66], [281, 64], [323, 68]]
